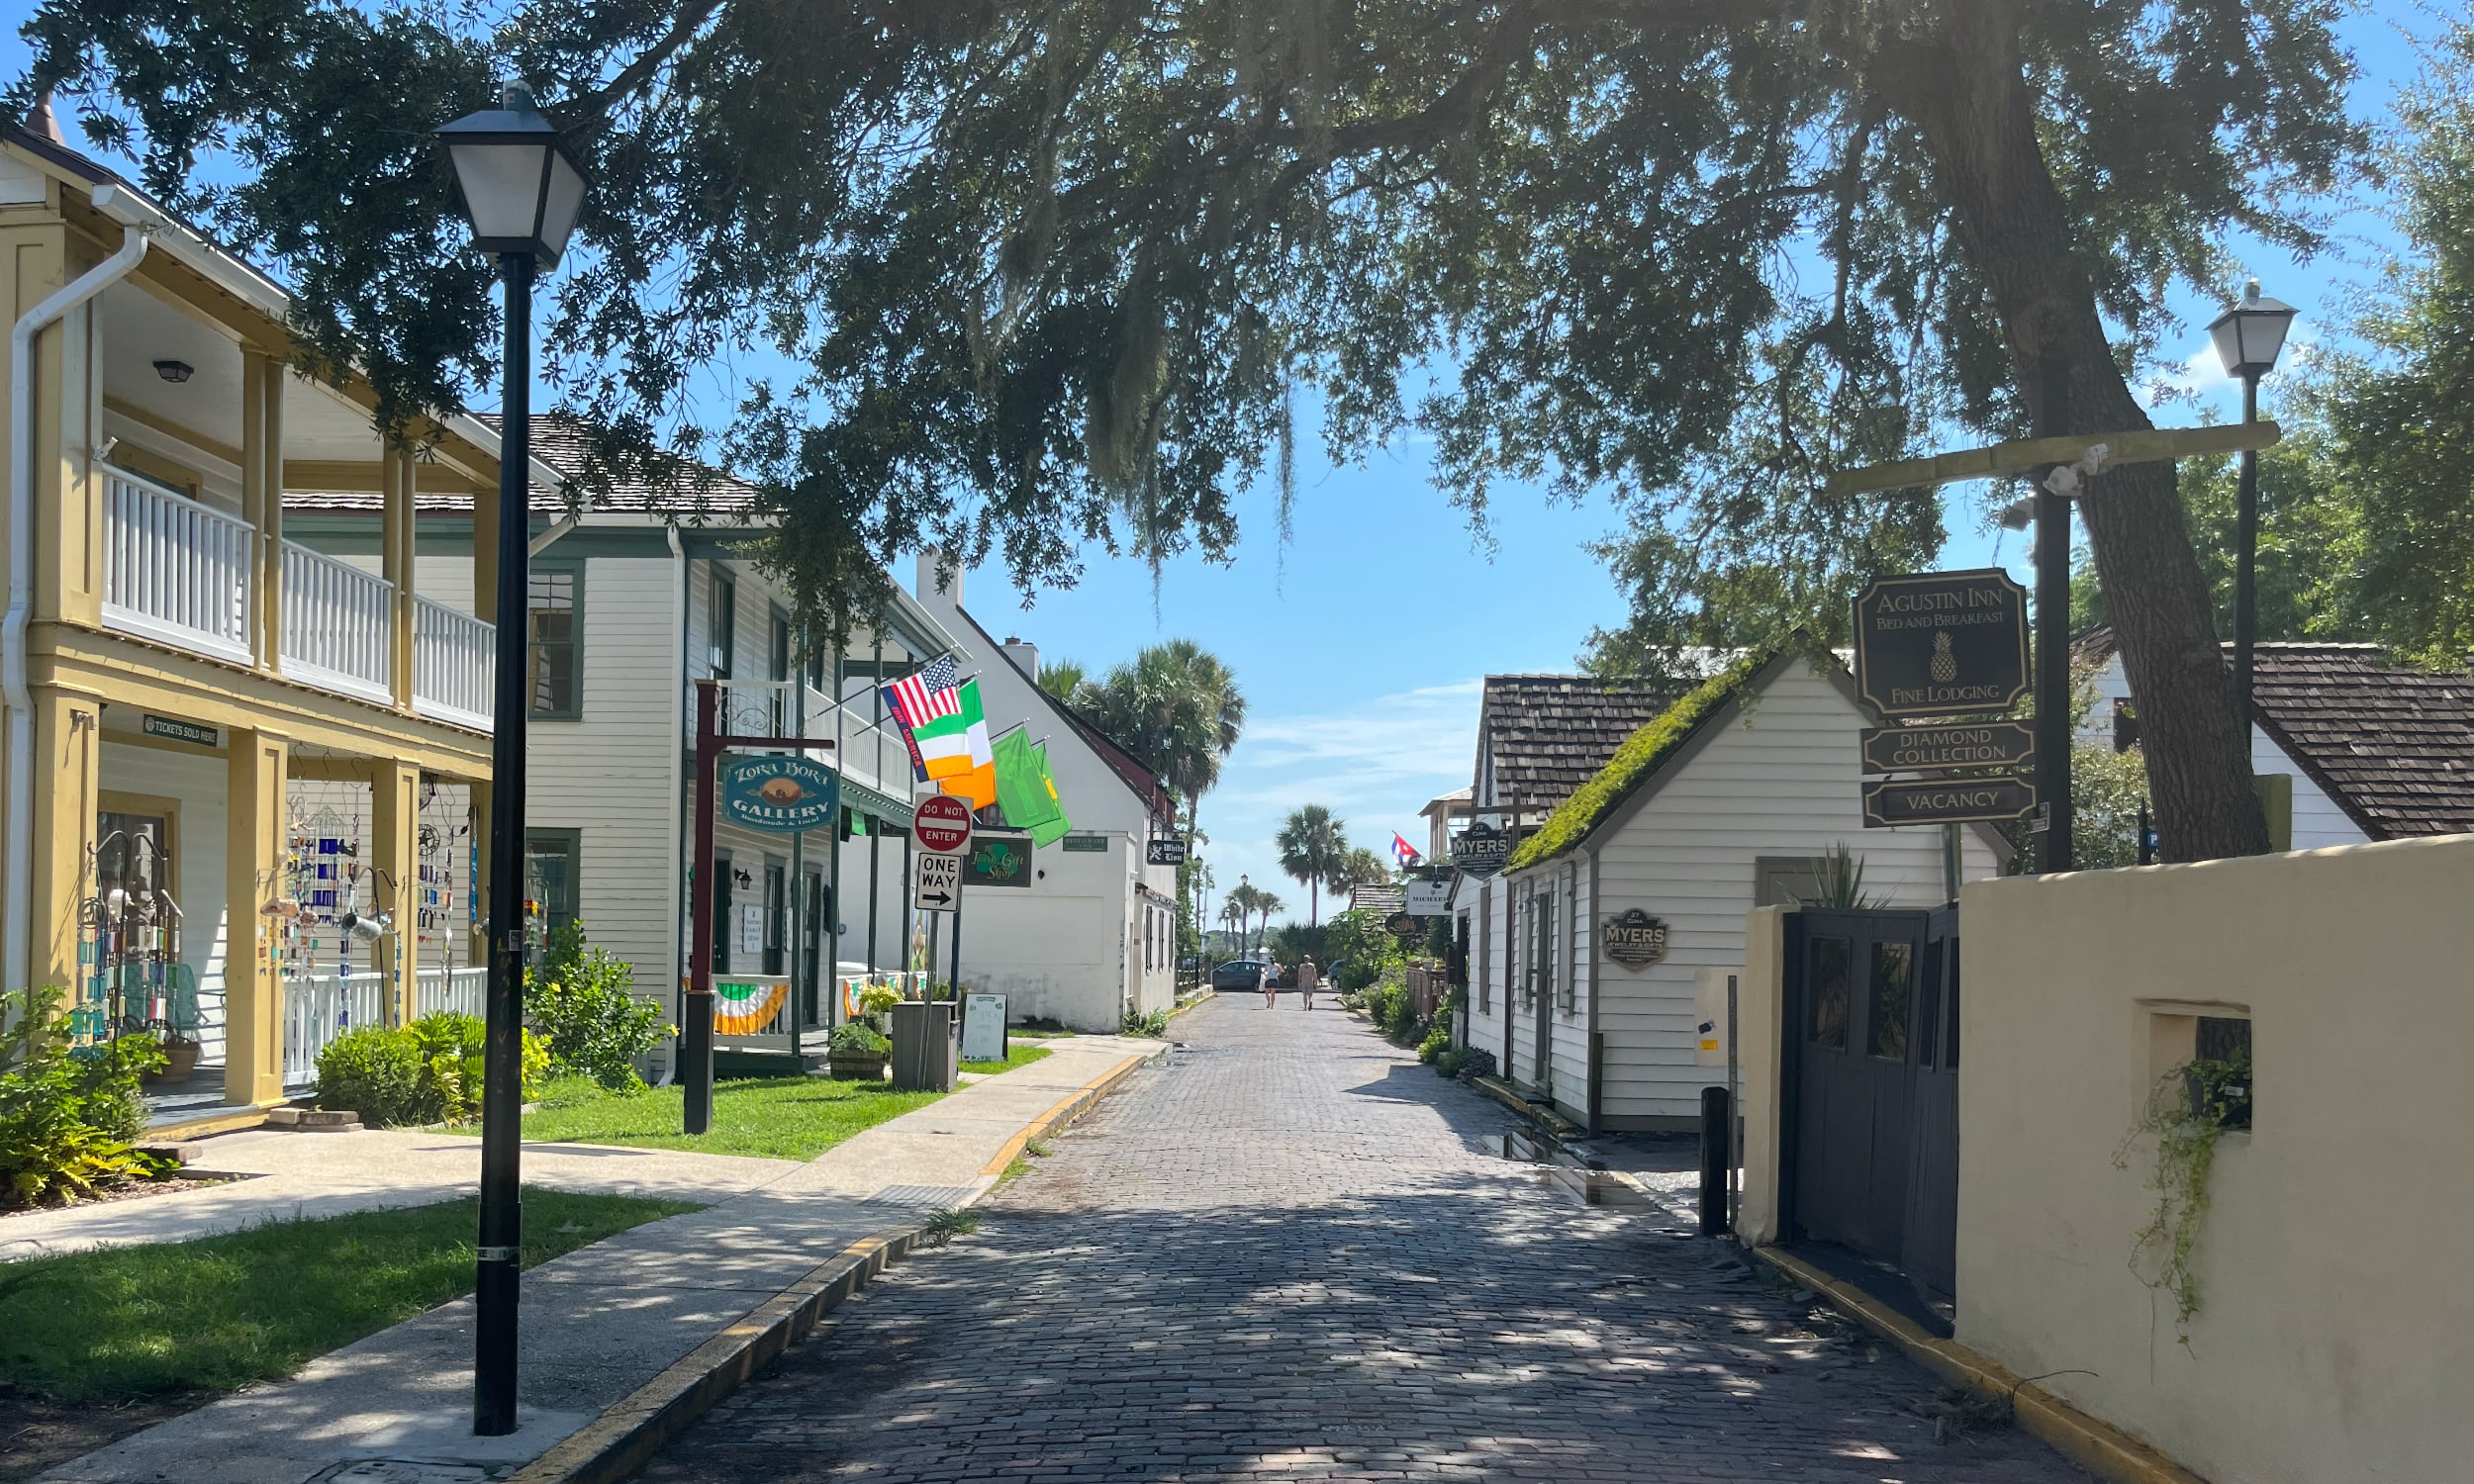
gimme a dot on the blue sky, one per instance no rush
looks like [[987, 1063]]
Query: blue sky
[[1361, 641]]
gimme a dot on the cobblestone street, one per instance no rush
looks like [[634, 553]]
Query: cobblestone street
[[1282, 1253]]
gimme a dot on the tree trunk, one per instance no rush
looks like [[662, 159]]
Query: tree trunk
[[1967, 95]]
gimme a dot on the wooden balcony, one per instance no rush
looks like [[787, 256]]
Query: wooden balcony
[[180, 573]]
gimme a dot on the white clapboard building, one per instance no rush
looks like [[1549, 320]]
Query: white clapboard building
[[1714, 802]]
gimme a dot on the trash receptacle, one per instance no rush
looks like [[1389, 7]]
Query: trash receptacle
[[927, 1054]]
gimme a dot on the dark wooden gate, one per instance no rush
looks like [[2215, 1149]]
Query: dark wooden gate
[[1871, 1082]]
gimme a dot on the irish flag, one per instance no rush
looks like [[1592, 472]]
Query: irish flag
[[973, 774], [945, 742]]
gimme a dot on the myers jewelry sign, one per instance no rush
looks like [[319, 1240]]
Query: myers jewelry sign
[[1634, 939]]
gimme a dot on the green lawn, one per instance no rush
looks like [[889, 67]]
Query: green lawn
[[1020, 1053], [777, 1118], [217, 1313]]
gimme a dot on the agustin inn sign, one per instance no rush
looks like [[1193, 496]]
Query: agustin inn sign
[[1941, 643]]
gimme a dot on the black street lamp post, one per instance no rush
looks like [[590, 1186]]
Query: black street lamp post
[[521, 188], [2248, 336]]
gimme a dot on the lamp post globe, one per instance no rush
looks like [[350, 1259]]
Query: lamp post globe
[[523, 188], [2249, 338]]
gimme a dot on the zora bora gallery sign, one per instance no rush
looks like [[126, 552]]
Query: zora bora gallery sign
[[787, 796]]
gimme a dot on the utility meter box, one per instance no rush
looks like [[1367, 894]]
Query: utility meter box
[[1709, 1014], [928, 1047]]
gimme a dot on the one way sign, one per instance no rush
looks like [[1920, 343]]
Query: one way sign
[[940, 882]]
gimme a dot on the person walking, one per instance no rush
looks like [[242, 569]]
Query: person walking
[[1307, 979], [1264, 973]]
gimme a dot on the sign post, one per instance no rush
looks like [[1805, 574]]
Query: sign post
[[942, 825]]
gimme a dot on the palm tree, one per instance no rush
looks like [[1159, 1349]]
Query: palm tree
[[1175, 707], [1266, 903], [1360, 866], [1062, 679], [1234, 914], [1312, 850]]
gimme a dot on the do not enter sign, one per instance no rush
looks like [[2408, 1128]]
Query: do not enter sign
[[942, 824]]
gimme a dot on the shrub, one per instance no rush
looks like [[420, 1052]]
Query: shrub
[[449, 1057], [66, 1115], [856, 1037], [1438, 1041], [1449, 1063], [375, 1072], [1476, 1061], [582, 1002], [1152, 1023]]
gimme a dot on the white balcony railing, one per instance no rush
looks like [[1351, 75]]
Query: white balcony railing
[[339, 625], [455, 665], [175, 571]]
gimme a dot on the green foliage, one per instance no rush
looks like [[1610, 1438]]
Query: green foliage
[[1151, 1023], [1062, 679], [1448, 1061], [944, 1224], [428, 1072], [1360, 948], [375, 1072], [1635, 760], [1296, 942], [1839, 881], [856, 1037], [582, 1002], [2186, 1113], [217, 1313], [1313, 851], [67, 1115], [1438, 1041], [1388, 1004]]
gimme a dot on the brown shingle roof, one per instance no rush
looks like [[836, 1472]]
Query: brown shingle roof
[[671, 485], [1547, 734], [2394, 747]]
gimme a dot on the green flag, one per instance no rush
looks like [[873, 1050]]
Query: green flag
[[1049, 831], [1020, 788]]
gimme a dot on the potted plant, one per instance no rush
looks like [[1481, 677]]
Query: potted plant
[[180, 1057], [856, 1053]]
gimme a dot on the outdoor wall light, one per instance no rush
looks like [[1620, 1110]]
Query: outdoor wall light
[[174, 372], [2249, 335]]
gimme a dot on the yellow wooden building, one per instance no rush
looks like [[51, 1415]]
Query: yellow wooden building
[[175, 669]]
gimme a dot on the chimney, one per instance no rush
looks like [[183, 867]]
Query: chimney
[[43, 123], [926, 589], [1025, 657]]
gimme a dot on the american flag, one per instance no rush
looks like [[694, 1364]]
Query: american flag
[[926, 693]]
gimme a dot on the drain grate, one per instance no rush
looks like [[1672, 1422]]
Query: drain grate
[[921, 1197], [401, 1471]]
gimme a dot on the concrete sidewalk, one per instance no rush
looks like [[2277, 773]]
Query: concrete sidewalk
[[605, 1319]]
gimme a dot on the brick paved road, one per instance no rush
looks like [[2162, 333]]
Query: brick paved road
[[1281, 1255]]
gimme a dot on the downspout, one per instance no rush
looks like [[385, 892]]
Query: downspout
[[136, 222], [680, 886], [1594, 1036]]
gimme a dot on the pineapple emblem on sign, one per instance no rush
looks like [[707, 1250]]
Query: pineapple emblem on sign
[[1944, 664]]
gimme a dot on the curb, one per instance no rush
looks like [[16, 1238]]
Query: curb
[[1205, 997], [2097, 1447], [206, 1128], [1544, 1118], [619, 1442], [1074, 1105]]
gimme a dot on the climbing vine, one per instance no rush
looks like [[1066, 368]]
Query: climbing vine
[[2188, 1110]]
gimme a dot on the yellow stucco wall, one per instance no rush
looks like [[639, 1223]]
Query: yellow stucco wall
[[2335, 1337]]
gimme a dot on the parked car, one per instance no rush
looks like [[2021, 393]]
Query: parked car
[[1239, 974]]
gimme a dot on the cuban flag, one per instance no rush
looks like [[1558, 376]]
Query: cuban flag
[[1402, 851]]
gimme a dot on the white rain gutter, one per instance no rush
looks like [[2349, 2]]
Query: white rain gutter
[[681, 886], [137, 221]]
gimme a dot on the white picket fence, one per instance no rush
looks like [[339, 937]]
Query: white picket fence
[[464, 990], [317, 1008], [175, 571]]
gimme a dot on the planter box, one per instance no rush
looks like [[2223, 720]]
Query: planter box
[[858, 1067], [181, 1059]]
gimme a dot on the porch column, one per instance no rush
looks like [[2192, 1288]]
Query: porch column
[[255, 846], [395, 819], [261, 496], [69, 764], [396, 545], [485, 558]]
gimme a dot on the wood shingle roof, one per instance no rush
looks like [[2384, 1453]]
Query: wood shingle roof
[[2394, 747], [1543, 736]]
